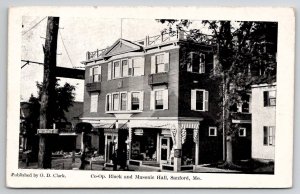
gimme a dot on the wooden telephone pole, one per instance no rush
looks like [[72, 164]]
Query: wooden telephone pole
[[48, 92]]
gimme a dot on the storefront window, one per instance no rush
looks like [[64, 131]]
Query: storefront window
[[143, 145], [188, 149]]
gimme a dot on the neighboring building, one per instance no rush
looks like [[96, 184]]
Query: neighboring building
[[264, 121], [29, 123], [241, 120], [155, 100]]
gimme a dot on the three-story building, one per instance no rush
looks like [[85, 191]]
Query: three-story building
[[154, 100]]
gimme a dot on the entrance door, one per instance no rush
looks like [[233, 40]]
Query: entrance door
[[110, 147], [164, 149]]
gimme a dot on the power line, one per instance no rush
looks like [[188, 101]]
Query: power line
[[65, 48], [28, 61], [35, 25]]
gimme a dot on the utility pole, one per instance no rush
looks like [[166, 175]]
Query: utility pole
[[48, 95]]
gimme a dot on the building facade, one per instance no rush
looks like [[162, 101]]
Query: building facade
[[154, 100], [264, 121]]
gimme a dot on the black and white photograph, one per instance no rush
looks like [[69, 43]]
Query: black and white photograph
[[165, 97]]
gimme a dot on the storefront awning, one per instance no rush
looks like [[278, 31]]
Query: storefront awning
[[104, 124], [162, 124], [189, 124]]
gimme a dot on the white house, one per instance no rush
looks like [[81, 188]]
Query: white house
[[263, 121]]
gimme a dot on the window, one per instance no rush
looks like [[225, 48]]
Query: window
[[269, 136], [159, 99], [115, 102], [159, 102], [124, 68], [116, 69], [212, 131], [197, 63], [94, 102], [135, 101], [123, 101], [202, 63], [270, 98], [199, 100], [95, 74], [137, 66], [242, 132], [160, 63], [108, 102]]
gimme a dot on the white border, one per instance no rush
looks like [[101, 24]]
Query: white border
[[285, 95]]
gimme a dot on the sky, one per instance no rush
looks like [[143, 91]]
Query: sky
[[79, 35]]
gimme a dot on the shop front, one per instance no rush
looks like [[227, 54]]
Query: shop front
[[167, 144]]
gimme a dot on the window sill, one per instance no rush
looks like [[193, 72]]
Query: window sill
[[200, 110], [125, 77], [159, 72], [159, 109], [195, 72], [124, 112]]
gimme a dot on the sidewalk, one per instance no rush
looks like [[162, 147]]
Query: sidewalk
[[66, 164], [204, 169]]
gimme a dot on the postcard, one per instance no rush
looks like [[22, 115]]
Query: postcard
[[150, 97]]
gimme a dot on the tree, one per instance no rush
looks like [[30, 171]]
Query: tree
[[246, 55], [64, 98]]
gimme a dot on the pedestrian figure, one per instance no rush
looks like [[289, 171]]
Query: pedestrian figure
[[115, 160], [123, 159]]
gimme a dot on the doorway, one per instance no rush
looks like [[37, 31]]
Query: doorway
[[164, 149], [110, 147]]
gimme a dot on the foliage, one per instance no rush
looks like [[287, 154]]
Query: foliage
[[246, 55], [64, 96]]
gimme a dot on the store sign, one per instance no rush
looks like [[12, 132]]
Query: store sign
[[47, 131], [177, 153], [110, 130], [139, 132], [165, 132]]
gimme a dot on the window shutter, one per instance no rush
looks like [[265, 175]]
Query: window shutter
[[141, 100], [265, 140], [91, 71], [266, 96], [206, 100], [142, 65], [100, 72], [90, 78], [215, 63], [190, 63], [153, 68], [167, 61], [166, 99], [129, 101], [202, 63], [152, 102], [106, 102], [109, 71], [130, 67], [193, 100]]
